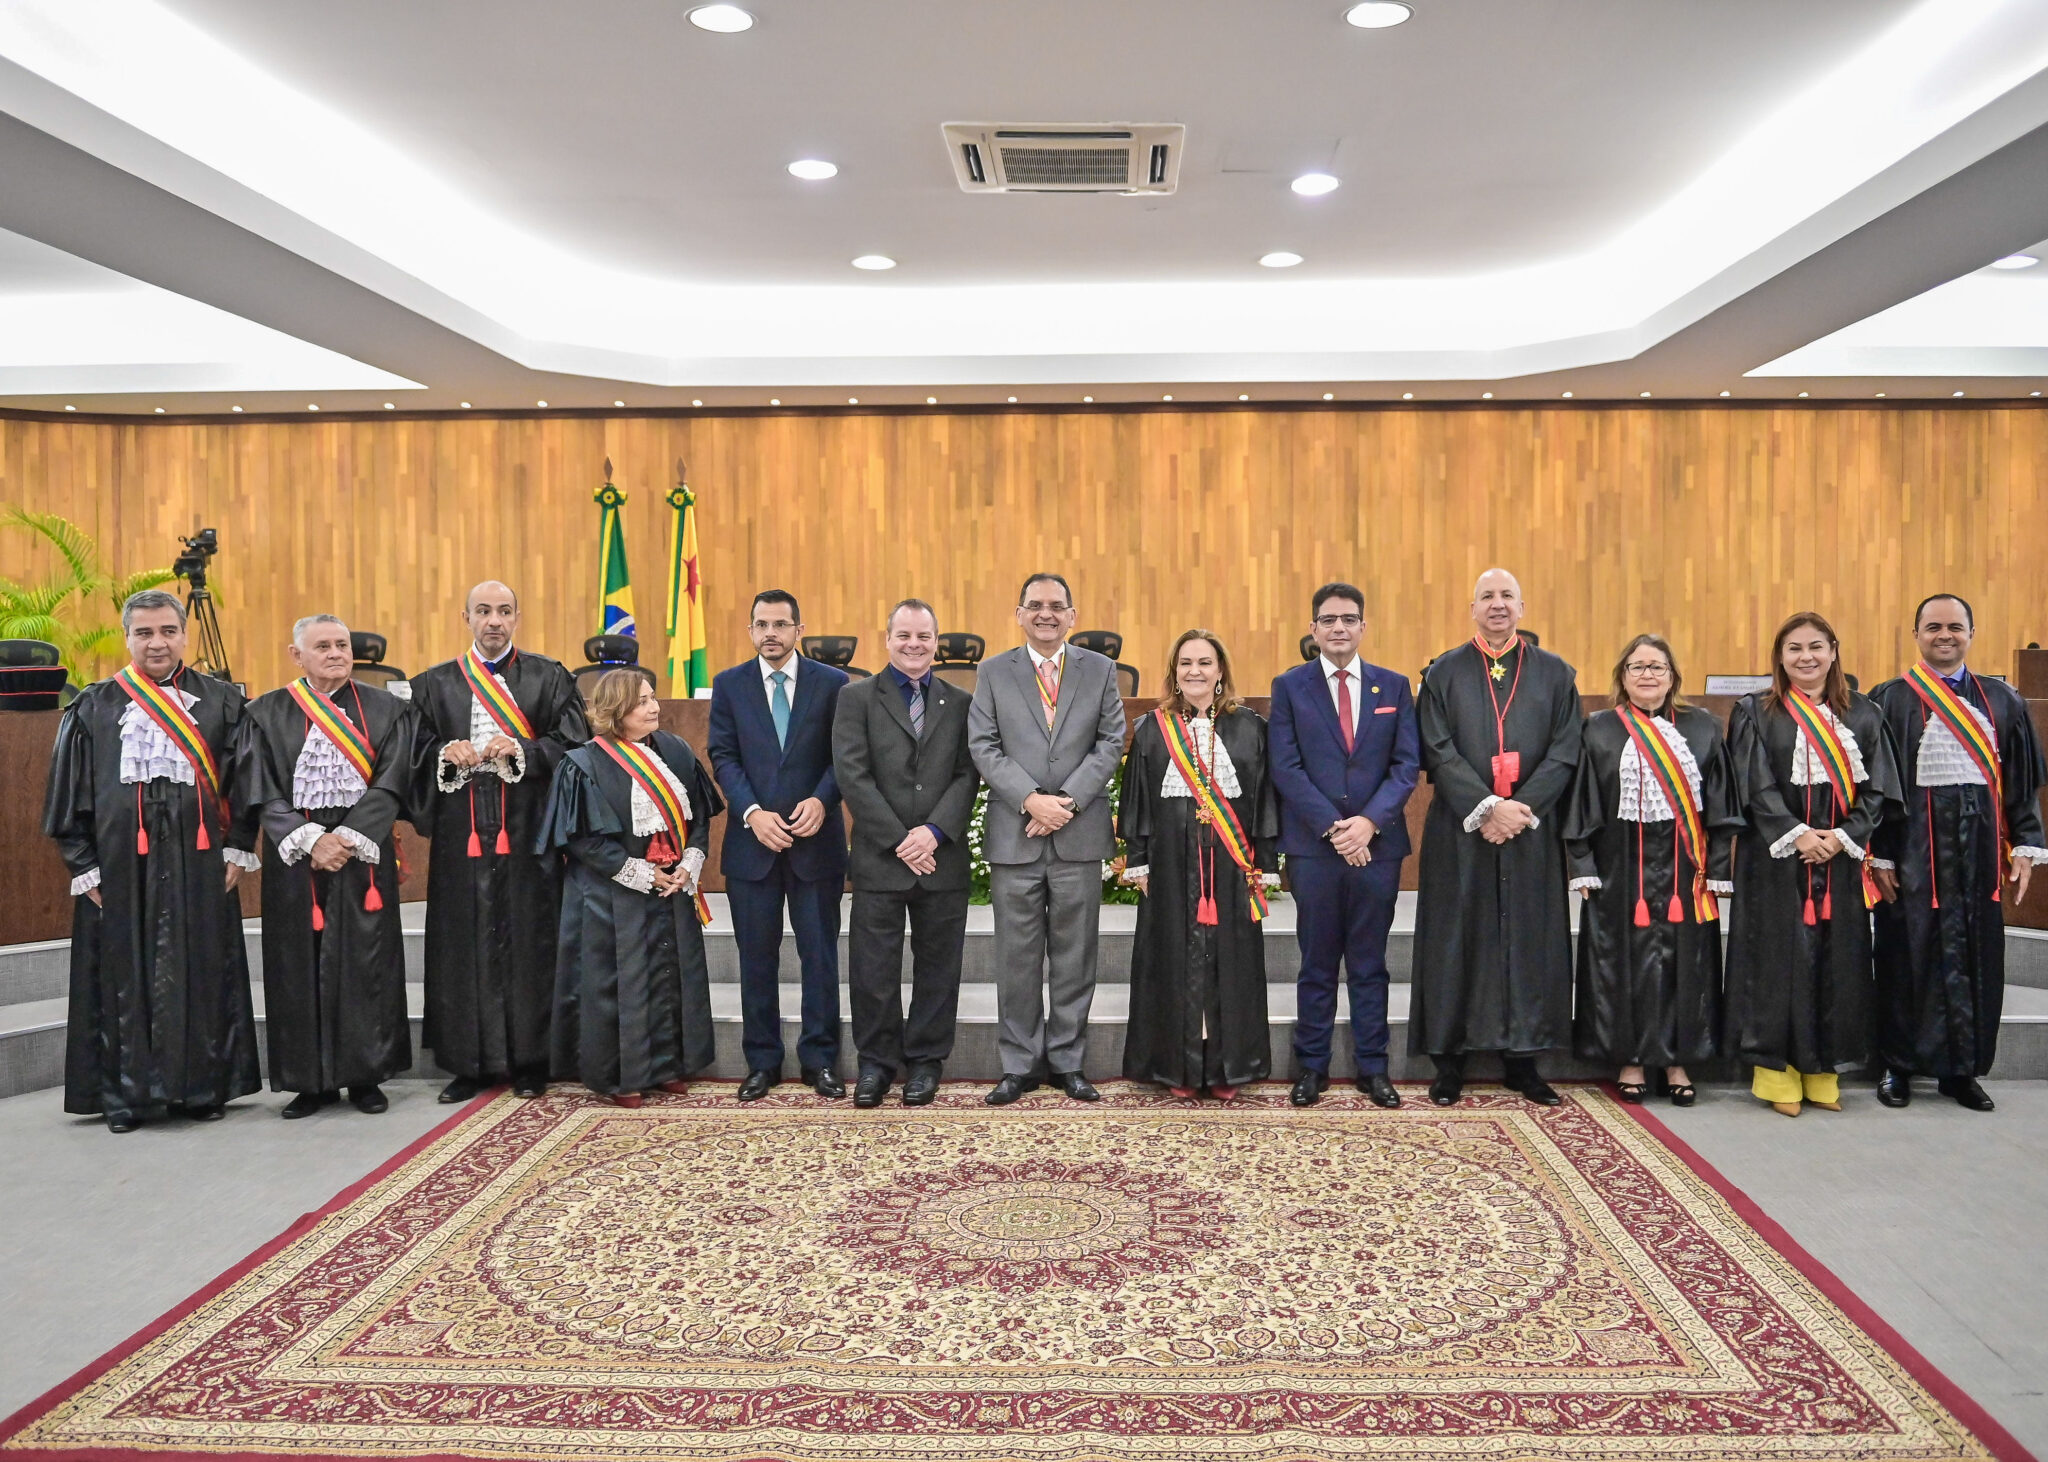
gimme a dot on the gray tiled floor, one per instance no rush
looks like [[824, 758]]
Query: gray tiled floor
[[1934, 1216]]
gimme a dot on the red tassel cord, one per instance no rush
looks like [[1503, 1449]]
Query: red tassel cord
[[1806, 868], [504, 844], [1642, 904], [661, 850], [1674, 912], [373, 900], [1205, 903], [1933, 889], [476, 848], [141, 832]]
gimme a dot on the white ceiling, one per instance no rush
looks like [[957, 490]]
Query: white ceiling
[[519, 200]]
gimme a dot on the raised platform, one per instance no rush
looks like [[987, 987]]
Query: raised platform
[[33, 982]]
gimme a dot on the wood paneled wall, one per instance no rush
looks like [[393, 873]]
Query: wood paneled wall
[[1707, 523]]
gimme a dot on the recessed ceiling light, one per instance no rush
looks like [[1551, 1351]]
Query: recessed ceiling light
[[540, 403], [1244, 396], [1955, 393], [71, 408], [725, 19], [1407, 395], [311, 406], [465, 406], [874, 261], [853, 401], [1486, 395], [696, 403], [234, 408], [1329, 395], [813, 169], [1314, 185], [1802, 395], [1724, 393], [2015, 261], [1280, 259], [1567, 395], [618, 403], [1165, 398], [159, 411], [1377, 14], [1090, 399], [1880, 395], [2033, 393], [1642, 393], [389, 407], [1013, 400], [774, 400], [931, 400]]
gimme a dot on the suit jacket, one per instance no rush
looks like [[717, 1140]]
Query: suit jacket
[[1017, 755], [1318, 784], [752, 769], [894, 781]]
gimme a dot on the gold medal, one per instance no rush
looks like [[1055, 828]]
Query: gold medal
[[1499, 671]]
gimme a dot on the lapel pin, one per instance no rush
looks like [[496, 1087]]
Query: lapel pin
[[1375, 690]]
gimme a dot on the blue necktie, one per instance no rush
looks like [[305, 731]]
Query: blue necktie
[[778, 707]]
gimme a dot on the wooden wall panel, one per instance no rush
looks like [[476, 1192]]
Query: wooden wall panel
[[1708, 524]]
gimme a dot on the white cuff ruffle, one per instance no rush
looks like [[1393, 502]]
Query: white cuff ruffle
[[1721, 886], [638, 875], [1579, 883], [1478, 814], [1132, 875], [244, 859], [299, 843], [1786, 846], [359, 845], [693, 864], [85, 883], [1882, 865], [1847, 846], [2032, 855]]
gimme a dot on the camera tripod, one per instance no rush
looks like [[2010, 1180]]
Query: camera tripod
[[209, 655]]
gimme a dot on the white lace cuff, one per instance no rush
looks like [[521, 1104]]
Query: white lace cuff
[[299, 843], [1883, 865], [1478, 814], [638, 875], [85, 883], [1271, 880], [516, 771], [1721, 886], [692, 864], [359, 846], [2032, 855], [243, 859], [1847, 846], [1786, 846], [1132, 875], [1579, 883], [448, 778]]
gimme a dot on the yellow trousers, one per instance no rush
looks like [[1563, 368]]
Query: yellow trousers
[[1791, 1084]]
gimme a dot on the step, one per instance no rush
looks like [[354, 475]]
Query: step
[[32, 1037]]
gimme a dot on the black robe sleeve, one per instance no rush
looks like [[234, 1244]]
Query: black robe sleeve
[[580, 818], [2020, 764], [1756, 782], [1882, 795], [1140, 787], [1586, 813], [560, 725], [1258, 804], [1544, 789], [1720, 807], [1456, 784], [68, 802], [247, 820]]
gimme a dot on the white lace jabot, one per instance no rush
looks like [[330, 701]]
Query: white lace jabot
[[1201, 730], [1808, 770], [147, 751], [1642, 800]]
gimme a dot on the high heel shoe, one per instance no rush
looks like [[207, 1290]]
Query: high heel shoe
[[627, 1098], [674, 1088], [1785, 1109], [1632, 1092], [1223, 1093], [1185, 1093], [1682, 1094]]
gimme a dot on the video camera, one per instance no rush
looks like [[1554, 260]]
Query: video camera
[[191, 564]]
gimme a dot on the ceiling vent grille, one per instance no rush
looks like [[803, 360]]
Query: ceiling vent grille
[[1040, 157]]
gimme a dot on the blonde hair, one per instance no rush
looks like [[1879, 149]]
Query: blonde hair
[[1226, 689], [616, 692]]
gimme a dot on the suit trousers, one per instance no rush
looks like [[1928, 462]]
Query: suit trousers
[[1048, 918], [1343, 914], [886, 1039], [757, 905]]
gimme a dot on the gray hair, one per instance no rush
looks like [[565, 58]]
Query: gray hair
[[150, 599], [300, 626]]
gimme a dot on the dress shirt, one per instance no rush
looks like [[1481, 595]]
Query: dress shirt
[[1352, 687], [907, 688], [768, 674]]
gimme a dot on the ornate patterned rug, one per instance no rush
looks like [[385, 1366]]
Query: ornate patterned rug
[[1136, 1281]]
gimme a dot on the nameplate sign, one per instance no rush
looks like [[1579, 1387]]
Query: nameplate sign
[[1737, 684]]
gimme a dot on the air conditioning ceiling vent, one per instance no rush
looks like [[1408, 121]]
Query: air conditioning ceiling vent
[[1051, 157]]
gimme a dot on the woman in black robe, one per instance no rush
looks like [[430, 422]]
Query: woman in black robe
[[1649, 966], [1799, 974], [1198, 990], [632, 992]]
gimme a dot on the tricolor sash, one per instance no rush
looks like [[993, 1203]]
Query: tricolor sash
[[1692, 830], [171, 717], [638, 763], [1834, 757], [323, 714], [1229, 832], [497, 700], [1947, 707]]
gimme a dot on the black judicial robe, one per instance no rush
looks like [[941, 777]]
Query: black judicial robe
[[1198, 993], [1493, 954], [1800, 995], [632, 990], [1941, 971], [161, 1014], [334, 999], [491, 920], [1648, 997]]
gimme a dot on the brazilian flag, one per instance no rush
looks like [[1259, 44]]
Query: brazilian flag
[[615, 604]]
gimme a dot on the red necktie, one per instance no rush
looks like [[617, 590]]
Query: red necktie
[[1345, 721]]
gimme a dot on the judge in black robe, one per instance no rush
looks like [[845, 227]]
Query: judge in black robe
[[1941, 935], [161, 1016], [1493, 956], [333, 991], [632, 990], [1649, 986], [1198, 991], [1799, 994], [491, 916]]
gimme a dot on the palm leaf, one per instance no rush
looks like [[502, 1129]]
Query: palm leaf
[[72, 542], [122, 590], [23, 626]]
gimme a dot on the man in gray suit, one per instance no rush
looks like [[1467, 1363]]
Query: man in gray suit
[[1047, 732], [899, 753]]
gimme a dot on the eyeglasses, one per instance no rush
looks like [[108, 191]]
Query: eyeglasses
[[775, 624], [1647, 670], [1039, 606], [1339, 621]]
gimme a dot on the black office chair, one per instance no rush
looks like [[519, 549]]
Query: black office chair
[[607, 653], [1308, 648], [32, 676], [836, 651], [959, 658], [1109, 642], [370, 669]]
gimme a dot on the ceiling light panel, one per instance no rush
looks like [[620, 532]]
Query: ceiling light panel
[[722, 19], [813, 169], [1377, 14], [1071, 157]]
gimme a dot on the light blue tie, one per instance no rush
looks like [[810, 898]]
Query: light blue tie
[[778, 707]]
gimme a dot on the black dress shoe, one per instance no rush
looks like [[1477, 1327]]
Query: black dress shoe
[[922, 1086], [1895, 1088], [305, 1104], [1308, 1088], [1075, 1085], [758, 1084], [207, 1112], [824, 1083], [369, 1100], [1379, 1089], [531, 1082], [1447, 1088], [122, 1121], [1534, 1088], [1966, 1093], [461, 1089], [1009, 1089], [871, 1088]]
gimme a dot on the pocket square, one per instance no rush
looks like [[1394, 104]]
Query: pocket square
[[1384, 710]]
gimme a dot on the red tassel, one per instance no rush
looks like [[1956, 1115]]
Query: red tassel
[[503, 845], [1205, 910], [1675, 913], [373, 900], [1810, 920], [319, 919], [141, 841], [202, 842], [476, 848], [1642, 912], [1827, 902]]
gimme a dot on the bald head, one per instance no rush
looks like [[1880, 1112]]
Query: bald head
[[492, 614], [1497, 606]]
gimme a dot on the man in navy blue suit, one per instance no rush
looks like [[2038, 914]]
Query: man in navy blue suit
[[785, 840], [1346, 754]]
